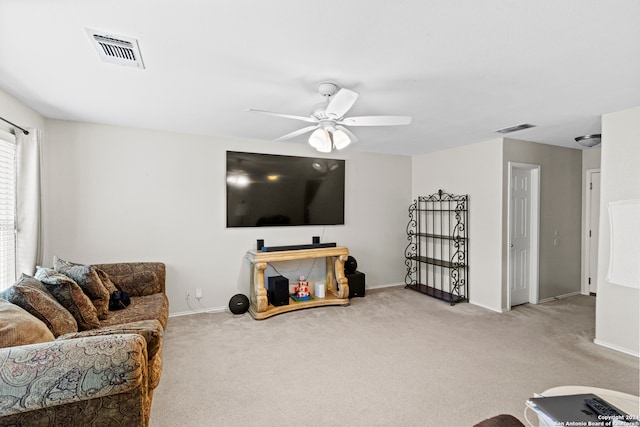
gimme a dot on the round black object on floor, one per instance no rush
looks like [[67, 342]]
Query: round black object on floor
[[350, 265], [239, 304]]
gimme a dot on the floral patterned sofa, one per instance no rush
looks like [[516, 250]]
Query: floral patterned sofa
[[66, 359]]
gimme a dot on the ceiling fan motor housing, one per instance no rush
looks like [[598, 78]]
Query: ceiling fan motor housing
[[327, 89], [319, 110]]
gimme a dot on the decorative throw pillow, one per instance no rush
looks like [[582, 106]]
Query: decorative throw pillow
[[32, 296], [70, 296], [20, 328], [106, 281], [87, 278], [140, 283]]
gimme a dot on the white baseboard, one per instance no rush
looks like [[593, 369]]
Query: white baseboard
[[223, 309], [389, 285], [571, 294], [207, 310], [497, 310], [617, 348], [385, 285]]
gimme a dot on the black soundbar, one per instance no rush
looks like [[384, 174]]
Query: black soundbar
[[297, 247]]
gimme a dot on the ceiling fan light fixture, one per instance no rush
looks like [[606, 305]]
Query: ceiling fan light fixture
[[340, 139], [325, 148], [317, 138], [320, 140]]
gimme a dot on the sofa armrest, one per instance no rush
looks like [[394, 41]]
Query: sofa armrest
[[137, 278], [41, 376], [151, 331]]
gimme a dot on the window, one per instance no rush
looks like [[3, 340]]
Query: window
[[7, 209]]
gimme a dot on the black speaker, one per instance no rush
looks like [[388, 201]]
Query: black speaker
[[316, 240], [278, 290], [259, 244], [356, 284], [239, 304], [350, 265]]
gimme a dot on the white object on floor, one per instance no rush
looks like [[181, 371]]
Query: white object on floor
[[625, 402]]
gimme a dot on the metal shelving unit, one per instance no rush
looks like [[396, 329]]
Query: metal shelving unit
[[438, 251]]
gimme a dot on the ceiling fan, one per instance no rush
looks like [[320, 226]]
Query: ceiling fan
[[329, 122]]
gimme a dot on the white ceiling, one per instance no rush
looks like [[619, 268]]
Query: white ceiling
[[460, 68]]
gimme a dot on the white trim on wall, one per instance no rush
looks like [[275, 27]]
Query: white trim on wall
[[616, 347], [585, 231], [570, 294]]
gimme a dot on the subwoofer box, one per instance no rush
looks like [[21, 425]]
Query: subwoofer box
[[278, 290], [356, 284]]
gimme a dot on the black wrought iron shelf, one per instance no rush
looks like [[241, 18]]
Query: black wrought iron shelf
[[436, 293], [440, 236], [438, 262], [433, 210], [437, 255]]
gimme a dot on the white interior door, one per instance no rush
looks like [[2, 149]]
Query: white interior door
[[594, 222], [520, 236]]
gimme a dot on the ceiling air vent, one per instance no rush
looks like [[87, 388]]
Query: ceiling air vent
[[116, 49], [515, 128]]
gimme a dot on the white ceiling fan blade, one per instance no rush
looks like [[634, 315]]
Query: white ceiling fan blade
[[297, 132], [350, 134], [376, 121], [286, 116], [341, 102]]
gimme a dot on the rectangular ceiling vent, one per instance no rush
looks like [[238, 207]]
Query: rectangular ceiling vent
[[116, 49], [515, 128]]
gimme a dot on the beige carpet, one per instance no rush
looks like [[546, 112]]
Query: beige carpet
[[393, 358]]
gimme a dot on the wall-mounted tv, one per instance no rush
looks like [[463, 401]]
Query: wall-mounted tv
[[277, 190]]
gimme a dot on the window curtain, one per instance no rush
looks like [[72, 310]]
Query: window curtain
[[28, 236], [7, 209]]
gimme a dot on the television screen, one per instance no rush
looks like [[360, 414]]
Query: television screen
[[276, 190]]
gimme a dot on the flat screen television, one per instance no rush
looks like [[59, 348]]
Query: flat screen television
[[276, 190]]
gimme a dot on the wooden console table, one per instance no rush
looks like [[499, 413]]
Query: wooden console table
[[337, 287]]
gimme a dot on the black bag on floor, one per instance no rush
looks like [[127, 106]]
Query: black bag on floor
[[119, 300]]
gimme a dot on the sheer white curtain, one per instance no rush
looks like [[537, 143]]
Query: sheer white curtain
[[28, 236], [7, 208]]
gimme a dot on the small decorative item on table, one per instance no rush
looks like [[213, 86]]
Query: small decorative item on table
[[302, 291], [318, 290]]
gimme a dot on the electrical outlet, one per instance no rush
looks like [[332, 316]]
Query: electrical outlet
[[198, 293], [187, 294]]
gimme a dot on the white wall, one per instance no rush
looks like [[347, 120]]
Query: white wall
[[121, 194], [591, 158], [617, 307], [475, 170]]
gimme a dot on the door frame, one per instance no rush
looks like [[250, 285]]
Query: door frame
[[534, 224], [585, 290]]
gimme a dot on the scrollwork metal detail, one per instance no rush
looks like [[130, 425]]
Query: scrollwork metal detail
[[410, 251], [437, 235]]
